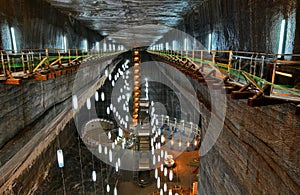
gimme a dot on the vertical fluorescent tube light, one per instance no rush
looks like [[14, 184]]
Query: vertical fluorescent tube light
[[65, 43], [185, 44], [60, 158], [281, 37], [167, 46], [104, 46], [97, 46], [174, 45], [12, 30], [85, 45], [209, 42]]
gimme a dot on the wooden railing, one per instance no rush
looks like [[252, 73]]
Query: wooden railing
[[41, 64], [281, 72]]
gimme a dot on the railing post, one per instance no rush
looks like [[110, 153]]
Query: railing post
[[213, 57], [273, 76], [27, 59], [3, 64], [262, 67], [8, 61], [193, 55], [186, 55], [58, 52], [201, 56], [69, 53], [23, 63], [229, 61], [181, 54]]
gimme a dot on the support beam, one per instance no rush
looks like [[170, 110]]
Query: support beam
[[241, 95]]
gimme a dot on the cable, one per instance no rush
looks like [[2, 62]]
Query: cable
[[80, 159]]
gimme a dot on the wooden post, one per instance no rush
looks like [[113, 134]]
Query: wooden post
[[69, 52], [58, 52], [193, 55], [23, 64], [201, 58], [27, 58], [3, 64], [262, 67], [213, 57], [181, 54], [8, 61], [273, 76], [229, 61], [186, 55]]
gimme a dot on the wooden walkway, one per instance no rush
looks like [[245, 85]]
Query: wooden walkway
[[246, 86]]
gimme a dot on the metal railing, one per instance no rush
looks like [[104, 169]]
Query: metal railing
[[281, 72], [28, 62]]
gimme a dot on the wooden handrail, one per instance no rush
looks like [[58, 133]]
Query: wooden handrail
[[40, 64]]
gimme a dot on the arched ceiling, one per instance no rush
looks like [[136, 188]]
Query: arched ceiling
[[108, 17]]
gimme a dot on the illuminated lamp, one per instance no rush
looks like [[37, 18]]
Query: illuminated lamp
[[94, 176], [60, 158], [96, 96], [75, 102]]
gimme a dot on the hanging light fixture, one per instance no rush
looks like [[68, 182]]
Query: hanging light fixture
[[94, 176], [117, 167], [109, 135], [88, 103], [195, 143], [161, 192], [123, 145], [154, 160], [170, 192], [165, 171], [99, 148], [165, 187], [119, 162], [161, 167], [107, 188], [163, 139], [96, 96], [75, 102], [171, 175], [110, 155], [102, 96], [156, 173], [115, 191], [60, 158], [158, 183], [106, 72]]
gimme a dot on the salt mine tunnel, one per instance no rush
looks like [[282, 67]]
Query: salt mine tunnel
[[150, 97]]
